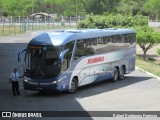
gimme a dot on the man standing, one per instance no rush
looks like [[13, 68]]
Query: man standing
[[14, 81]]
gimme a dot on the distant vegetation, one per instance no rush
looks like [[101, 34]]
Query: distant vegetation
[[79, 7], [113, 21]]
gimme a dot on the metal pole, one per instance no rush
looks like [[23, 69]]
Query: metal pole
[[32, 23], [43, 23], [39, 23], [76, 12], [45, 19], [70, 21], [27, 23], [14, 28], [11, 24], [19, 24], [3, 26], [11, 20], [9, 27], [53, 21], [48, 22], [19, 19]]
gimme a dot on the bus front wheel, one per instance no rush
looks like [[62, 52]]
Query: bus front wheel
[[121, 74], [115, 75], [74, 85]]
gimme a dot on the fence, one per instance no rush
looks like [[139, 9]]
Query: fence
[[19, 25]]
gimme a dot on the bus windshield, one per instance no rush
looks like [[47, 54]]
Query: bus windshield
[[42, 61]]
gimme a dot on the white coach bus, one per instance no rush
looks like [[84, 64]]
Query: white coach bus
[[67, 59]]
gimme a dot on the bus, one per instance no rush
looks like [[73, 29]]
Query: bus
[[63, 60]]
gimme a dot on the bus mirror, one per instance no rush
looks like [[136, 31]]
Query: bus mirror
[[62, 55], [19, 55], [19, 58]]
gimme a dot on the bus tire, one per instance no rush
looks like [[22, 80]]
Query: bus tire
[[115, 75], [74, 86], [121, 74]]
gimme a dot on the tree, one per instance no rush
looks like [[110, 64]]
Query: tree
[[98, 7], [126, 6], [147, 38], [131, 6], [152, 7], [1, 8]]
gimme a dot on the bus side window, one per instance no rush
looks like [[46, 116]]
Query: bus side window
[[83, 48], [67, 57]]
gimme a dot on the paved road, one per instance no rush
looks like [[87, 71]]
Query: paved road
[[137, 92]]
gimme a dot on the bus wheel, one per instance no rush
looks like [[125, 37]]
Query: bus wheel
[[115, 75], [121, 74], [74, 86]]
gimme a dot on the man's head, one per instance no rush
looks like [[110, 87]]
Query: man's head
[[15, 70]]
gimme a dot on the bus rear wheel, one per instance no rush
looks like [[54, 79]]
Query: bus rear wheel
[[115, 75], [74, 86]]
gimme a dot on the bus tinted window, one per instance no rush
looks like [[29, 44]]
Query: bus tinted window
[[107, 44], [129, 39], [104, 44]]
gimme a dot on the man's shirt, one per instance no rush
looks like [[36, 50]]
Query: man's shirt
[[14, 76]]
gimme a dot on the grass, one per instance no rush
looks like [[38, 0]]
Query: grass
[[10, 30], [149, 66]]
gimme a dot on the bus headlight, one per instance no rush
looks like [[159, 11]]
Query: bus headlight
[[54, 82], [27, 79]]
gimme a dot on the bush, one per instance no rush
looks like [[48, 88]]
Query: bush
[[158, 50], [113, 21]]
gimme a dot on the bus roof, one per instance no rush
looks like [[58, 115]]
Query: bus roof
[[60, 37]]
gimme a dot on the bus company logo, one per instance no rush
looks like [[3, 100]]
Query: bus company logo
[[6, 114], [95, 60]]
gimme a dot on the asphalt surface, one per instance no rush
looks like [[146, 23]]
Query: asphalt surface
[[137, 92]]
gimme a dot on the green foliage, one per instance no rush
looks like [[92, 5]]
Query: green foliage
[[153, 7], [113, 21], [18, 7], [146, 35], [99, 6]]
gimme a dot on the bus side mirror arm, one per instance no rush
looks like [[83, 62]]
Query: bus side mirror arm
[[19, 59], [19, 54], [62, 55]]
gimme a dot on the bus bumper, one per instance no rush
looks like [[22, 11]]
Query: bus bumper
[[36, 86]]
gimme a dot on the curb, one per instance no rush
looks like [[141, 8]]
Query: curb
[[148, 73]]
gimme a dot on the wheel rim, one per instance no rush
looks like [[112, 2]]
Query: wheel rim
[[73, 87], [122, 74]]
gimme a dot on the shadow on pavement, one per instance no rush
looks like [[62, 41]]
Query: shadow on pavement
[[95, 88]]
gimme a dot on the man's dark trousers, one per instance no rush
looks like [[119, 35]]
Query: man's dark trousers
[[15, 88]]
